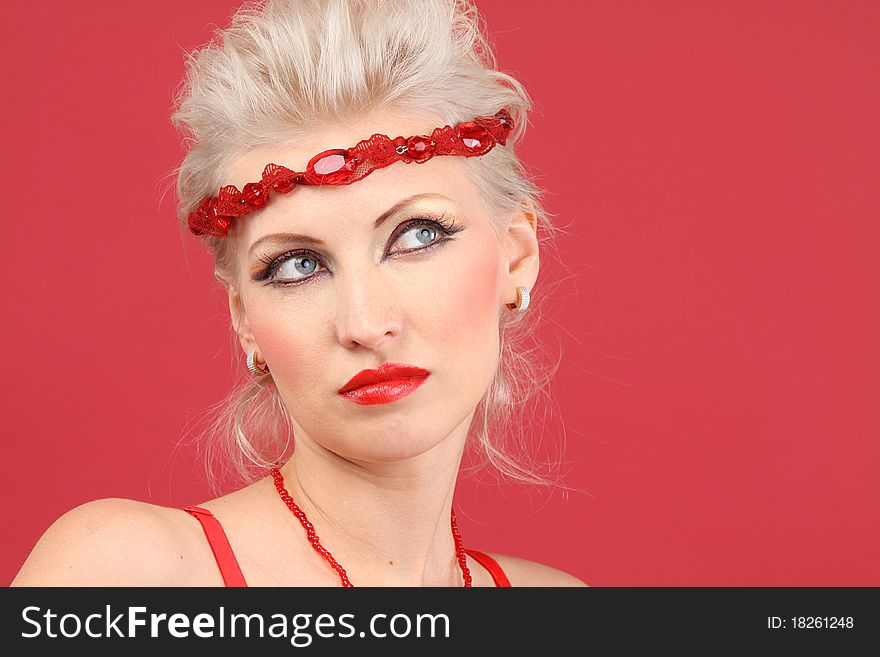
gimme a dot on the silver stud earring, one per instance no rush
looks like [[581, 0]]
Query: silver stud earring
[[257, 366], [522, 300]]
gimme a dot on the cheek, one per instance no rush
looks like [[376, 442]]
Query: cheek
[[465, 307], [288, 335], [286, 348]]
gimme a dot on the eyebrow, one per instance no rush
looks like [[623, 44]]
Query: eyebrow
[[286, 238]]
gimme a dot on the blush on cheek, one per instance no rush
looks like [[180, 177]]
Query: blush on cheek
[[286, 353], [468, 341], [472, 297]]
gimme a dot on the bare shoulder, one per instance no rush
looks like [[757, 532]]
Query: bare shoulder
[[522, 572], [106, 542]]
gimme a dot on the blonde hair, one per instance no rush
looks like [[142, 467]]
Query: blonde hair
[[284, 66]]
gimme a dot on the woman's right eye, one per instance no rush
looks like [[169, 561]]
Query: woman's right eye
[[293, 267]]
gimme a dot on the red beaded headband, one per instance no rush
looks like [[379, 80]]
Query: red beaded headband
[[343, 166]]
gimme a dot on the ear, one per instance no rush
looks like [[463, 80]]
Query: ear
[[521, 247], [238, 316]]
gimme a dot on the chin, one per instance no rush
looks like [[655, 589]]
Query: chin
[[388, 447]]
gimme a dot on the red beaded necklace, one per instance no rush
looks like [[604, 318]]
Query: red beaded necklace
[[324, 552]]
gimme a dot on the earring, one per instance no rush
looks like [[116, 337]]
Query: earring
[[257, 366], [522, 300]]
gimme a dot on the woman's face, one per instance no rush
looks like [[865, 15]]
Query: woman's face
[[380, 281]]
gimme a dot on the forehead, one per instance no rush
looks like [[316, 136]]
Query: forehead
[[322, 210]]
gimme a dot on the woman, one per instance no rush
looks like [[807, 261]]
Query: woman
[[375, 314]]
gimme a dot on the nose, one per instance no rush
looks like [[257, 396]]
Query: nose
[[368, 313]]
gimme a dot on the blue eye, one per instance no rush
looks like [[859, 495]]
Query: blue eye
[[304, 264], [424, 235], [301, 264]]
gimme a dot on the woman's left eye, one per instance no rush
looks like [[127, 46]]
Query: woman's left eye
[[421, 235]]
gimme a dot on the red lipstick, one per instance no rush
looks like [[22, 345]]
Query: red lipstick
[[384, 385]]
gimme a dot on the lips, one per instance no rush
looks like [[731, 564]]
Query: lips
[[386, 372]]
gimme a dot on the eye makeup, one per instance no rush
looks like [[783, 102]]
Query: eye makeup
[[443, 227]]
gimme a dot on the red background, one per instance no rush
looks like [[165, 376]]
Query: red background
[[716, 164]]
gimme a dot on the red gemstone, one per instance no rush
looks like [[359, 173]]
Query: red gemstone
[[474, 137], [499, 126], [216, 220], [329, 164], [254, 194], [284, 185], [419, 148], [330, 167]]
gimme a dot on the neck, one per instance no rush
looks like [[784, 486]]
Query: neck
[[388, 523]]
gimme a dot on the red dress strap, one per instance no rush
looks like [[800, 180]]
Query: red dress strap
[[492, 566], [220, 546]]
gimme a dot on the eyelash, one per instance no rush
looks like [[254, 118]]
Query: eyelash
[[448, 227]]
